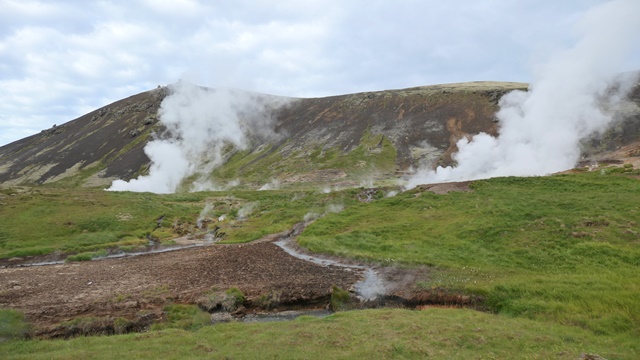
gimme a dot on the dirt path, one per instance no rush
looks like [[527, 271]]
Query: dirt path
[[123, 287]]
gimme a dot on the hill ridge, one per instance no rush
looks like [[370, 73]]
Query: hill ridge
[[356, 136]]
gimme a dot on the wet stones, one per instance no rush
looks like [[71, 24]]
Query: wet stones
[[221, 317]]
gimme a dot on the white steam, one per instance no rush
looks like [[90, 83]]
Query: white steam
[[371, 286], [334, 208], [329, 209], [202, 124], [271, 185], [540, 130], [246, 210], [367, 183], [208, 207], [311, 216]]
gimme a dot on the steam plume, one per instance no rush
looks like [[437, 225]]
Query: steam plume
[[203, 214], [371, 286], [246, 210], [540, 130], [201, 125]]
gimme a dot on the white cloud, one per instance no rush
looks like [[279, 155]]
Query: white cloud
[[61, 59]]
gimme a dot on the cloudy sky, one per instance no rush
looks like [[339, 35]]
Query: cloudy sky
[[61, 59]]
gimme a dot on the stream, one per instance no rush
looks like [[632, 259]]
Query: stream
[[151, 250], [369, 288]]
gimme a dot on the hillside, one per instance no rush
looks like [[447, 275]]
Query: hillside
[[392, 130], [339, 139], [506, 267], [539, 267]]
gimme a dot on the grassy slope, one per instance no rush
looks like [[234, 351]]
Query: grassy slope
[[264, 165], [44, 220], [562, 248], [557, 258], [370, 334]]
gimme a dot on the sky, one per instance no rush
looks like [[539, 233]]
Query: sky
[[60, 60]]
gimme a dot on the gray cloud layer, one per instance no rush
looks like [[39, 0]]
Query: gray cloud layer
[[59, 60]]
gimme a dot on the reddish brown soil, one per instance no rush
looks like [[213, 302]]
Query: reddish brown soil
[[124, 287]]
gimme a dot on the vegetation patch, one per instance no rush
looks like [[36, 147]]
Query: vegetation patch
[[557, 258], [367, 334], [86, 222], [12, 325], [516, 242], [182, 316], [340, 299], [89, 326], [86, 256], [375, 154], [228, 300]]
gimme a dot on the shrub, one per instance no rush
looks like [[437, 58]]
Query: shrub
[[236, 295], [340, 299], [270, 300], [229, 300]]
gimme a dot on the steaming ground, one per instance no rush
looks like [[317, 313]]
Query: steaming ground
[[540, 130], [201, 126]]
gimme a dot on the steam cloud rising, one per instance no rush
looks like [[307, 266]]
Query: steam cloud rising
[[540, 130], [200, 124]]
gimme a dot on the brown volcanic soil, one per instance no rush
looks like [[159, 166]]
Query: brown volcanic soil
[[124, 287]]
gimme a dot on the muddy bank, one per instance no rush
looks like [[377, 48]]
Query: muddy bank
[[124, 287], [280, 281]]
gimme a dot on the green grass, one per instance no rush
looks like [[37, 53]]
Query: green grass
[[556, 258], [43, 220], [271, 212], [86, 256], [12, 325], [564, 249], [180, 316], [367, 334], [375, 154], [87, 221]]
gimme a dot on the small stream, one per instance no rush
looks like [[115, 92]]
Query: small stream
[[369, 288], [152, 250], [286, 315]]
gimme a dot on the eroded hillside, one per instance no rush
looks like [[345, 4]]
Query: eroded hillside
[[339, 139]]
